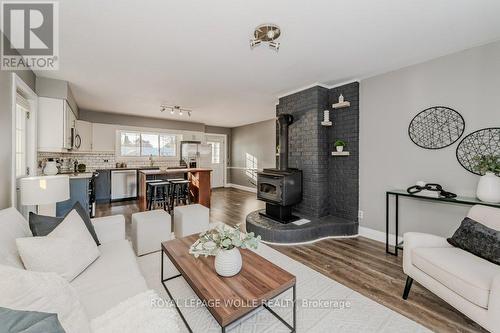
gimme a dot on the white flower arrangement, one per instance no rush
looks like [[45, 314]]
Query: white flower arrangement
[[223, 237]]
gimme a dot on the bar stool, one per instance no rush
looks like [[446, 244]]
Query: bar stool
[[149, 190], [160, 192], [180, 191]]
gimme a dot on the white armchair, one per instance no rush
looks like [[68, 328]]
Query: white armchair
[[465, 281]]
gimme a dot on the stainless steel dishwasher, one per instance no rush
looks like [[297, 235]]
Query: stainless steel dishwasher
[[123, 184]]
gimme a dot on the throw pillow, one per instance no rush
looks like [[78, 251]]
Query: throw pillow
[[477, 239], [41, 225], [67, 250], [42, 292], [29, 321]]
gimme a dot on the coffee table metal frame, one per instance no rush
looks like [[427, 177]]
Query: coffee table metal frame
[[294, 292]]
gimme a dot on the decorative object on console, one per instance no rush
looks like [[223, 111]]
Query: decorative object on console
[[420, 187], [488, 187], [266, 33], [483, 142], [223, 242], [50, 168], [436, 127], [44, 191], [477, 239], [326, 118], [339, 145]]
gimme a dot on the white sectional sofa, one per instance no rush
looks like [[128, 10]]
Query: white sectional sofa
[[113, 278]]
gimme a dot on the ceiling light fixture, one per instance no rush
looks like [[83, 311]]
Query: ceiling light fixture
[[266, 33], [175, 108]]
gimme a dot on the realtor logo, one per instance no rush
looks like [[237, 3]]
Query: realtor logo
[[30, 38]]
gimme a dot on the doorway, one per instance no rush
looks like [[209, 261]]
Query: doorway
[[218, 144], [24, 106]]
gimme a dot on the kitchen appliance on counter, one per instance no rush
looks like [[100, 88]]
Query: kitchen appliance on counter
[[123, 184], [194, 154]]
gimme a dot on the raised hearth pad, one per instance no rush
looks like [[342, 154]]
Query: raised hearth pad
[[292, 233]]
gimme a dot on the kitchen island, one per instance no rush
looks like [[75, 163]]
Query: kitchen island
[[199, 183]]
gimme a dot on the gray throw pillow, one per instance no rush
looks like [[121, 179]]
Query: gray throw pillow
[[43, 225], [15, 321], [477, 239]]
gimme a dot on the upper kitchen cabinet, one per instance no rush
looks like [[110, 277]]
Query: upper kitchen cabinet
[[56, 125], [83, 137], [103, 138]]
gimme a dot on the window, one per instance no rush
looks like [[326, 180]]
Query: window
[[251, 166], [150, 145], [215, 152], [130, 144], [167, 145], [135, 144]]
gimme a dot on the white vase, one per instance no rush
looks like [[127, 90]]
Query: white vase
[[50, 168], [340, 148], [488, 188], [228, 262]]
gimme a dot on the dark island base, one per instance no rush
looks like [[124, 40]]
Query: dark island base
[[279, 233]]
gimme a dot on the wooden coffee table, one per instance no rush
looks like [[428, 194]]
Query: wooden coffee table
[[228, 298]]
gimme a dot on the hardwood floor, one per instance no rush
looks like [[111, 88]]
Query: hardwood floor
[[358, 263]]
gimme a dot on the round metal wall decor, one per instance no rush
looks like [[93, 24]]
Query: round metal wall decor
[[436, 127], [479, 143]]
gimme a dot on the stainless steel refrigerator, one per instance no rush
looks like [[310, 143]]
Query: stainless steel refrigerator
[[196, 154]]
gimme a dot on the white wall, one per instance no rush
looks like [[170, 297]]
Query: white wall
[[468, 82], [257, 139]]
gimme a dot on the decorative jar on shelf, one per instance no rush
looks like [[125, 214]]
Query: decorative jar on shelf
[[488, 188], [228, 262]]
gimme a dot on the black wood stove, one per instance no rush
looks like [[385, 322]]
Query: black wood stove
[[280, 188]]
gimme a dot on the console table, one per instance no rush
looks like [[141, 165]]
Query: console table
[[403, 193]]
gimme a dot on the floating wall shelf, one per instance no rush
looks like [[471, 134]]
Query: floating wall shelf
[[341, 105], [340, 153]]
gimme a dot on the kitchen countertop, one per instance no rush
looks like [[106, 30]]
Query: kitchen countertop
[[77, 175], [167, 171]]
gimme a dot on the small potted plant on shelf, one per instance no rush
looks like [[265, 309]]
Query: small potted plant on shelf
[[488, 188], [223, 243], [339, 145]]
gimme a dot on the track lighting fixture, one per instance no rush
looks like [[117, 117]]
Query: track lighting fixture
[[175, 108]]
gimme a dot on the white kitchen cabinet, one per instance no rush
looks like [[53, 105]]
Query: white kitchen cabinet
[[193, 136], [103, 137], [70, 125], [83, 138], [55, 123]]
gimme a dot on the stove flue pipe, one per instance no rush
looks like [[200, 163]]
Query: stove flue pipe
[[284, 120]]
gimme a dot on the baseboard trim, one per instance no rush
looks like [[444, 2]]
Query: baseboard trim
[[376, 235], [241, 187]]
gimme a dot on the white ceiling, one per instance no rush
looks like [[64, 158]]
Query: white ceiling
[[129, 56]]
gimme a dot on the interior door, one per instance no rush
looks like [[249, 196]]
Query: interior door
[[23, 159], [218, 145]]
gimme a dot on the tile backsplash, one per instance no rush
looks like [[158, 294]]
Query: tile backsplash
[[96, 161]]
